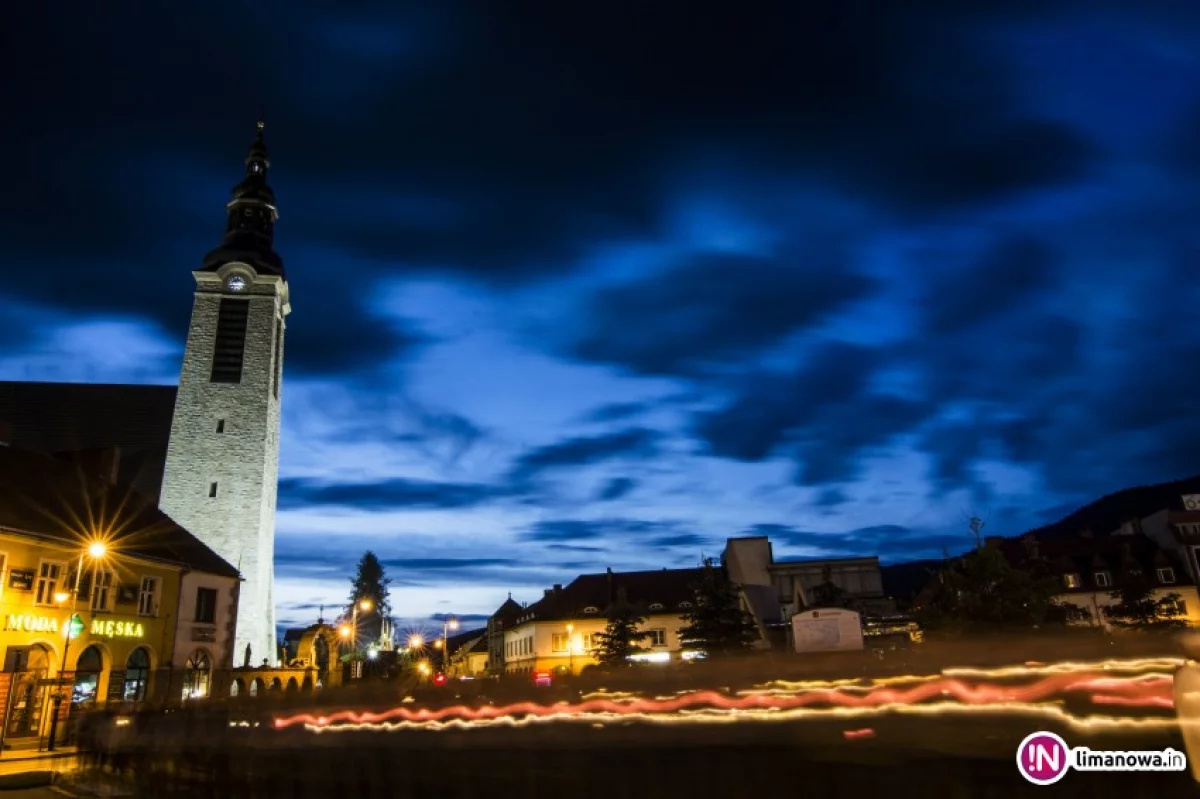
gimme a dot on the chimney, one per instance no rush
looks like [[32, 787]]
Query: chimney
[[557, 587], [547, 593]]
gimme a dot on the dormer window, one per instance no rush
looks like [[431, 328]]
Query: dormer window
[[685, 604], [1166, 575], [656, 606], [591, 609], [1103, 579], [1071, 580]]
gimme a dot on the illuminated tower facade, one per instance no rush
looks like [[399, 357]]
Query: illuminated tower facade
[[222, 469]]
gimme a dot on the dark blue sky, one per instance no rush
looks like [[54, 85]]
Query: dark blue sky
[[583, 284]]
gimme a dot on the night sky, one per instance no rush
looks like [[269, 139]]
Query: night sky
[[580, 285]]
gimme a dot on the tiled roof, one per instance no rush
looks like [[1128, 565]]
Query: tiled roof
[[80, 417], [508, 613], [588, 595], [1087, 556], [45, 497]]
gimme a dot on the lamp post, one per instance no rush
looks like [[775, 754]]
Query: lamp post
[[97, 550], [448, 624], [570, 649], [350, 633]]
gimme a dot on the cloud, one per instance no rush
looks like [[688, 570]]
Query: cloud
[[394, 493], [568, 530], [616, 488], [636, 443], [716, 308]]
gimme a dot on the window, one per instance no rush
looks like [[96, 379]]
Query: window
[[137, 673], [657, 637], [656, 606], [591, 609], [206, 605], [148, 597], [50, 574], [590, 642], [102, 592], [220, 425], [229, 348], [559, 642], [1103, 580], [3, 572], [198, 675], [1179, 606], [212, 490], [685, 604], [1071, 580], [1166, 575]]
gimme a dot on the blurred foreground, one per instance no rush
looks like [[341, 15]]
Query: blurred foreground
[[950, 732]]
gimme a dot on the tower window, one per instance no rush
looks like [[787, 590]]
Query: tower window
[[220, 425], [212, 489], [230, 347]]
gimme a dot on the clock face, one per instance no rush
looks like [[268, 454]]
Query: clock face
[[236, 283]]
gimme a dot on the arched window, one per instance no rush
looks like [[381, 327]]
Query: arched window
[[197, 678], [87, 677], [137, 675]]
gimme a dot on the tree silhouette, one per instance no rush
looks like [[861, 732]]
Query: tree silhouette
[[716, 623], [620, 636], [371, 583]]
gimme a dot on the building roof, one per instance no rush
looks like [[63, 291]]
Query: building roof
[[44, 497], [588, 595], [507, 614], [1086, 557], [1111, 511], [54, 418]]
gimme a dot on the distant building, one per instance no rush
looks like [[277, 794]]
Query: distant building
[[504, 617], [775, 590], [558, 632], [1177, 531]]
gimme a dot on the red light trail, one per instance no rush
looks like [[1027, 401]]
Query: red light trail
[[1094, 683]]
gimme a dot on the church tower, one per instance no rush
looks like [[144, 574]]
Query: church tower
[[222, 468]]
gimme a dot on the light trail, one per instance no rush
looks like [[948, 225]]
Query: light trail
[[1150, 691], [1040, 711]]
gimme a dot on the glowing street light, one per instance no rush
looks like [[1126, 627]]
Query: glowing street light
[[97, 550], [415, 642]]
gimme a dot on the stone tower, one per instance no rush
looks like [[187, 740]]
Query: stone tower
[[222, 468]]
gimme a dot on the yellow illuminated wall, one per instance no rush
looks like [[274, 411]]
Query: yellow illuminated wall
[[549, 645]]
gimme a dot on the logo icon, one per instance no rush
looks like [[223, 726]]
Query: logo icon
[[1043, 758]]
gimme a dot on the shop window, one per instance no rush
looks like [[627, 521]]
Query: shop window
[[87, 679], [137, 675], [197, 678]]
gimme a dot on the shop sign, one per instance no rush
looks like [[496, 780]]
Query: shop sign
[[30, 624], [107, 628]]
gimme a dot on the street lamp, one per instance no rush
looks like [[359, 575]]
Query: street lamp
[[448, 624], [415, 642], [570, 649], [97, 550]]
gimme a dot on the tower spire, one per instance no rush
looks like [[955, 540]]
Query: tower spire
[[250, 216]]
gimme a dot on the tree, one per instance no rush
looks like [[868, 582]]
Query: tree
[[983, 590], [1137, 606], [370, 583], [621, 634], [827, 593], [716, 623]]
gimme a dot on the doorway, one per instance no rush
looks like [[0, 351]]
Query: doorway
[[27, 702]]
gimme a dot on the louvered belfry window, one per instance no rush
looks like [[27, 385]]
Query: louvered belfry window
[[230, 348]]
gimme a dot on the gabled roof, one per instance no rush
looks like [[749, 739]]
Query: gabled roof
[[508, 612], [81, 417], [588, 595], [46, 498]]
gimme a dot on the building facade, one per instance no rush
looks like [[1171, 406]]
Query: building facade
[[222, 462], [94, 587], [558, 632]]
